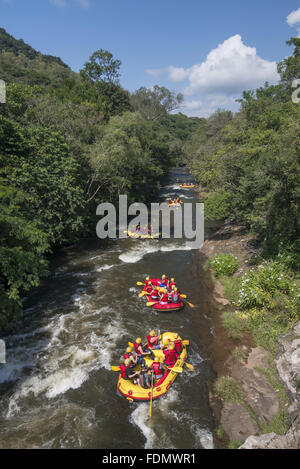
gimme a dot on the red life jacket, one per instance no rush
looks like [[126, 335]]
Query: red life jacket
[[136, 348], [156, 368], [165, 281], [148, 288], [165, 298], [178, 346], [151, 344], [170, 357], [122, 370], [127, 355]]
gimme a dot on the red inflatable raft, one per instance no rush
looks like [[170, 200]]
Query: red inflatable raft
[[167, 307]]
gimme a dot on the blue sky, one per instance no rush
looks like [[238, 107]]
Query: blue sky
[[209, 50]]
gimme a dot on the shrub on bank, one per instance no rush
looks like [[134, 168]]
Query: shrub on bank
[[224, 264]]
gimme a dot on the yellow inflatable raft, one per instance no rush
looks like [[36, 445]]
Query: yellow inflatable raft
[[141, 236], [187, 186], [161, 387]]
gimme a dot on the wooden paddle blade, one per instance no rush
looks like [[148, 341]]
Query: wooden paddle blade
[[115, 368], [189, 366]]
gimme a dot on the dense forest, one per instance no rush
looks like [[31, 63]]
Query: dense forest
[[250, 163], [69, 141]]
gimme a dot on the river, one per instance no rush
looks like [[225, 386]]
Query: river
[[57, 387]]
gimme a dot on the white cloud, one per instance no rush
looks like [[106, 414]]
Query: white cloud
[[231, 68], [293, 18], [228, 70]]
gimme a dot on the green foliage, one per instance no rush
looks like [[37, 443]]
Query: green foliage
[[220, 432], [67, 143], [252, 161], [102, 67], [272, 288], [238, 354], [217, 206], [228, 389], [233, 324], [279, 424], [224, 264], [155, 103], [235, 444]]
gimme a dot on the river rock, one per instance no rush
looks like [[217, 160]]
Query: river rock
[[237, 423], [258, 393], [219, 294], [273, 441], [288, 364]]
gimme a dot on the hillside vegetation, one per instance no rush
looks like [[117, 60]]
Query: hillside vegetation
[[68, 142]]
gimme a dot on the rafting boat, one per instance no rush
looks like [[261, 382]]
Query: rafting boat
[[141, 236], [168, 307], [175, 205], [163, 307], [187, 186], [161, 387]]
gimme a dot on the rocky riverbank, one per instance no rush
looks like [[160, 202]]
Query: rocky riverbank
[[260, 391]]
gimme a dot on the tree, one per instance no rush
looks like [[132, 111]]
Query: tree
[[155, 103], [289, 68], [101, 67]]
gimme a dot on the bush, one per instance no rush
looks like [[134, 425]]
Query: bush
[[233, 324], [228, 389], [271, 288], [224, 264]]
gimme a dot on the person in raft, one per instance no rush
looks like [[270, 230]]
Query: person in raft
[[153, 341], [170, 355], [158, 369], [174, 296], [127, 372], [177, 343], [164, 297], [149, 288], [164, 281], [171, 283], [147, 280], [140, 351], [135, 359], [144, 380], [155, 294]]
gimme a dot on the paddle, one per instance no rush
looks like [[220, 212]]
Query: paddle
[[142, 294], [189, 366], [151, 303], [141, 284], [190, 304], [115, 368], [150, 410]]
